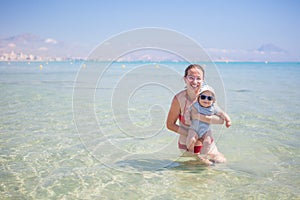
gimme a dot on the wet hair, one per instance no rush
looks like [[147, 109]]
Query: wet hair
[[191, 66]]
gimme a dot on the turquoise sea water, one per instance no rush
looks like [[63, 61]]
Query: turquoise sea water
[[68, 132]]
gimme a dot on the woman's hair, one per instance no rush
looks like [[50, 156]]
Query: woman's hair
[[191, 66]]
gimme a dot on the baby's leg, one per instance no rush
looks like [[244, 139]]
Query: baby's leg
[[204, 160], [207, 140], [215, 155], [191, 140], [211, 150]]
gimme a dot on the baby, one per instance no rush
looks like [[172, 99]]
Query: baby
[[206, 106]]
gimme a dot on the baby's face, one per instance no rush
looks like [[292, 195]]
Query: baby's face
[[204, 101]]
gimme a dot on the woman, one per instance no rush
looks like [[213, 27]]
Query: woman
[[180, 109]]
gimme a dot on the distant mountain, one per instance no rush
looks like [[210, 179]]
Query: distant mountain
[[44, 47], [266, 52], [32, 47], [24, 38], [269, 48]]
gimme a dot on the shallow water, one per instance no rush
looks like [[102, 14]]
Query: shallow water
[[104, 138]]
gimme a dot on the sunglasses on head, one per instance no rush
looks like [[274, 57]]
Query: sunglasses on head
[[209, 98]]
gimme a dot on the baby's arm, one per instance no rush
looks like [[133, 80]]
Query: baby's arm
[[210, 119], [225, 116]]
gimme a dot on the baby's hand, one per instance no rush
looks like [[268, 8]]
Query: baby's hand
[[228, 124]]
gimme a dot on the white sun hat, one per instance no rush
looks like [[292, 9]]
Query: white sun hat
[[207, 88]]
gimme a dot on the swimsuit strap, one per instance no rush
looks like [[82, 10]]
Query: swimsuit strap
[[181, 116]]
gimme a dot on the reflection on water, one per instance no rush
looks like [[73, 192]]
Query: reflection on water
[[43, 156]]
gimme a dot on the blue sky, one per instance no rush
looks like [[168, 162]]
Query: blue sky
[[228, 25]]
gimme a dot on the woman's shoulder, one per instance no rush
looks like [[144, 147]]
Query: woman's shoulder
[[181, 98], [181, 94]]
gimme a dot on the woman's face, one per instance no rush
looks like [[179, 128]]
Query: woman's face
[[194, 79]]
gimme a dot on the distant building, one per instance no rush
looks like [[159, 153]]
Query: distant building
[[20, 56]]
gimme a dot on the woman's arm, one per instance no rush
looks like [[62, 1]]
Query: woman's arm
[[210, 119], [174, 112]]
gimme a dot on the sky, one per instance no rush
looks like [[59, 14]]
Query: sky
[[234, 27]]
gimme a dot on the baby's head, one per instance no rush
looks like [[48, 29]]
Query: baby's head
[[207, 96]]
